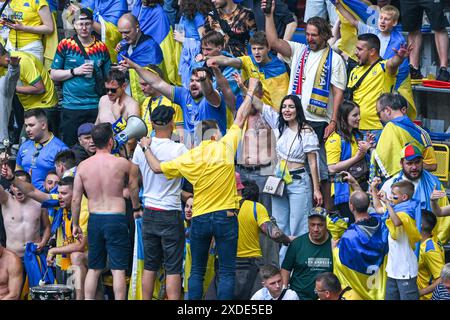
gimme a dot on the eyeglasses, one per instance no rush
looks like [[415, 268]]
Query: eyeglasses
[[112, 90], [316, 291], [379, 112]]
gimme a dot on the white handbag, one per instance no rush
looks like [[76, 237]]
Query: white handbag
[[274, 186]]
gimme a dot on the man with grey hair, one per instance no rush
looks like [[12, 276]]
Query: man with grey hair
[[328, 287], [399, 131], [442, 291], [273, 288]]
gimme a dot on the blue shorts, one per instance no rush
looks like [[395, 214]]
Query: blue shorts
[[108, 235]]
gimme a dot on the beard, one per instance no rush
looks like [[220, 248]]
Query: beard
[[407, 175]]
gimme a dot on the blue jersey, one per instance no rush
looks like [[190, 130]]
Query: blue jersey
[[198, 110], [38, 159]]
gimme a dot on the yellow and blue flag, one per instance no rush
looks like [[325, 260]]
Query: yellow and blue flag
[[147, 51], [427, 183], [135, 288], [397, 133], [360, 257], [154, 22], [367, 13]]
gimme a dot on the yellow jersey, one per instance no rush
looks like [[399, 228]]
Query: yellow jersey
[[431, 262], [32, 71], [251, 216], [333, 149], [210, 169], [151, 103], [377, 82], [27, 13]]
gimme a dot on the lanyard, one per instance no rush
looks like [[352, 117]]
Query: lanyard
[[147, 110]]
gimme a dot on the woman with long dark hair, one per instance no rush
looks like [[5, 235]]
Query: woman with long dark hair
[[345, 149], [296, 143]]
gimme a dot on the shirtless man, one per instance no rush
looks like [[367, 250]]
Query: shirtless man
[[102, 177], [10, 275], [23, 217], [116, 106]]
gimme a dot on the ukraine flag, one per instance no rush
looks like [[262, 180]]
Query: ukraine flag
[[367, 13], [154, 22], [359, 259], [397, 133], [135, 289]]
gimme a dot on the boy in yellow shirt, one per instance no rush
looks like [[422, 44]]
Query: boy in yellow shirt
[[431, 257]]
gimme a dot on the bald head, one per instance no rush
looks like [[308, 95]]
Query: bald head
[[129, 18], [359, 201], [128, 26]]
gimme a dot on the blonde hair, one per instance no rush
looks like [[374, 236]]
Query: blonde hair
[[392, 11]]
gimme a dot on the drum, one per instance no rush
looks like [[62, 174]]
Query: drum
[[52, 292]]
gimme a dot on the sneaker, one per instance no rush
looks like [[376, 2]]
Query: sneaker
[[443, 74], [415, 73]]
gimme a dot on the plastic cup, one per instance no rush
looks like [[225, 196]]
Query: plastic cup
[[90, 62]]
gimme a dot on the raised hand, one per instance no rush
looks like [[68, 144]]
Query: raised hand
[[404, 50]]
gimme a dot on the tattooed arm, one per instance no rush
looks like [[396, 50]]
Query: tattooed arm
[[273, 232]]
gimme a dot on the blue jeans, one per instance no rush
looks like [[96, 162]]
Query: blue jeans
[[224, 229], [291, 210]]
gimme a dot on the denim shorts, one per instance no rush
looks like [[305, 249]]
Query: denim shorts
[[163, 238], [108, 235]]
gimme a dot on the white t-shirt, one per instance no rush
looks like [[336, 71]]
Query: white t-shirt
[[388, 183], [338, 76], [384, 40], [402, 262], [264, 294], [159, 192], [289, 147]]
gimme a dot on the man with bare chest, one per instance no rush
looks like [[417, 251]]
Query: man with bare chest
[[116, 106], [23, 218], [10, 275], [102, 177]]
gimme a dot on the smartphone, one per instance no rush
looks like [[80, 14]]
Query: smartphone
[[268, 7], [339, 177]]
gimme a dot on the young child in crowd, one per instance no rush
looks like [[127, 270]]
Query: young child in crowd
[[402, 264]]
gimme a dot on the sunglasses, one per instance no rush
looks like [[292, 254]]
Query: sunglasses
[[112, 90]]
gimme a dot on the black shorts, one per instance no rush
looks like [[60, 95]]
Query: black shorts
[[412, 12], [108, 236], [163, 238]]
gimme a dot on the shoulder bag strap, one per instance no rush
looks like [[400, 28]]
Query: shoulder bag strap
[[356, 86]]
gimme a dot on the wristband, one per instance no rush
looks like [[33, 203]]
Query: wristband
[[137, 209], [250, 96], [72, 72]]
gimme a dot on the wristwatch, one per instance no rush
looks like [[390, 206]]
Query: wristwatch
[[145, 149], [72, 72], [137, 209]]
